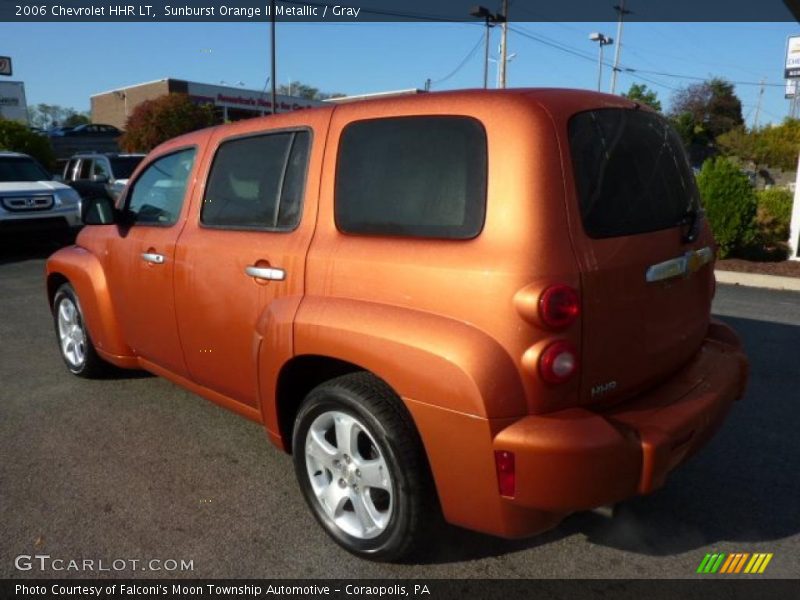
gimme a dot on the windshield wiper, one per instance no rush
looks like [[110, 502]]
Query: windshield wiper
[[691, 220]]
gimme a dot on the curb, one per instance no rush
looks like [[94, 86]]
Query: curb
[[771, 282]]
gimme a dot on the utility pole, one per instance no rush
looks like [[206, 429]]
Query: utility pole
[[272, 76], [758, 106], [491, 19], [602, 41], [504, 45], [620, 8]]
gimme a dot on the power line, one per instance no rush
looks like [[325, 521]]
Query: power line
[[634, 72], [465, 60], [696, 78]]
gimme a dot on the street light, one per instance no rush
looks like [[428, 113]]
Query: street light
[[491, 19], [602, 41]]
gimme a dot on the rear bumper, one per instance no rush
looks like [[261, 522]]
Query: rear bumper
[[579, 458]]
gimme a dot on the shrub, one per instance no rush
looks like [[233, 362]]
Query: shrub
[[156, 121], [17, 137], [730, 204], [774, 215]]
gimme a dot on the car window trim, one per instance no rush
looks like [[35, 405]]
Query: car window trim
[[256, 228]]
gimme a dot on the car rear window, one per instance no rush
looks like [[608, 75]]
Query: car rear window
[[631, 172], [412, 176]]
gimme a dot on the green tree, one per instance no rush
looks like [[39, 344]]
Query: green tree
[[16, 137], [730, 204], [301, 90], [781, 144], [777, 146], [640, 93], [50, 115], [75, 118], [703, 111], [158, 120]]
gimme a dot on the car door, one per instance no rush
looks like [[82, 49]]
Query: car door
[[245, 248], [142, 258]]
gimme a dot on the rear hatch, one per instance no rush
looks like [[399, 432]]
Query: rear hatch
[[645, 254]]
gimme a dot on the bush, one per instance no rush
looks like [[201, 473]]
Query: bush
[[16, 137], [774, 216], [156, 121], [730, 204]]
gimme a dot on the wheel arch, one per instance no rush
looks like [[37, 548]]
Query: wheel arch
[[296, 379], [83, 271]]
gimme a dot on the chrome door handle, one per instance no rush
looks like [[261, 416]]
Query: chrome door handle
[[152, 257], [270, 273]]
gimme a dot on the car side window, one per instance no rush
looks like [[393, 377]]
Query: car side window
[[69, 170], [419, 176], [158, 193], [85, 169], [100, 168], [257, 182]]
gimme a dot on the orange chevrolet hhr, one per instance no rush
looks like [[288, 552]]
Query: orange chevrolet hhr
[[489, 305]]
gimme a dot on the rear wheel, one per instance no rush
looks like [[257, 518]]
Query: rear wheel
[[361, 468], [74, 341]]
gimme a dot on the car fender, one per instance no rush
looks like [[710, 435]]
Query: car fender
[[85, 273], [423, 356]]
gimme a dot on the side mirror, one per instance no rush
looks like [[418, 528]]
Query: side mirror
[[100, 178], [58, 178], [98, 211]]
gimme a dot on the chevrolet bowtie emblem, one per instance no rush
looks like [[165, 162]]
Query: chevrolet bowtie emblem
[[682, 266]]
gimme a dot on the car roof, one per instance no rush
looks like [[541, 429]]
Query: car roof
[[107, 155], [8, 154], [556, 101]]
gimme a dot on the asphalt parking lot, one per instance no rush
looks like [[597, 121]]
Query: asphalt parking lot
[[136, 468]]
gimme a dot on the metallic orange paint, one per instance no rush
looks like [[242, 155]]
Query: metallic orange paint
[[452, 326]]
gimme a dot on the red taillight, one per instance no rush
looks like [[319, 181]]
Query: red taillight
[[506, 476], [558, 362], [559, 306]]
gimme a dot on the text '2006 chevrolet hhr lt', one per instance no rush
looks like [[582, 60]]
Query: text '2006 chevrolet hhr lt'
[[491, 306]]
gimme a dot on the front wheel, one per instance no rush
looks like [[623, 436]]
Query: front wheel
[[74, 341], [361, 468]]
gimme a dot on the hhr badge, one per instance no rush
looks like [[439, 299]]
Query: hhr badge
[[601, 389]]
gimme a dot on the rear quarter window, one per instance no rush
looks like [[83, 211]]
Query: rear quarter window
[[412, 176], [631, 172]]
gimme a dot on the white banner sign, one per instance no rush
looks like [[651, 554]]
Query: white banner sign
[[793, 58]]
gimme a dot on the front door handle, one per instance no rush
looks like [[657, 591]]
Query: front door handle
[[270, 273], [152, 257]]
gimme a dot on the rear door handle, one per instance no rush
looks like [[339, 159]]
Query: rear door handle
[[269, 273], [152, 257]]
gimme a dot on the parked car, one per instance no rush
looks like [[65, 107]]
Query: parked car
[[59, 131], [94, 130], [491, 304], [100, 174], [31, 201]]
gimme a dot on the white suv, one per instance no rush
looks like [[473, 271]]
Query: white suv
[[30, 200]]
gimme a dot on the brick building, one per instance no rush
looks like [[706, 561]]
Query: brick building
[[231, 103]]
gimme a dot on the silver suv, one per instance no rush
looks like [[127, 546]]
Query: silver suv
[[99, 174], [30, 200]]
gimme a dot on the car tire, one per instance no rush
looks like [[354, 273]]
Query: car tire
[[362, 468], [74, 342]]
